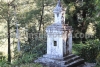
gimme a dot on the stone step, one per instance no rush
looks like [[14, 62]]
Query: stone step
[[75, 63], [67, 61], [69, 56], [70, 61]]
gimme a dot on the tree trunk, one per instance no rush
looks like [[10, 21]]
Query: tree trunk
[[8, 24], [41, 19]]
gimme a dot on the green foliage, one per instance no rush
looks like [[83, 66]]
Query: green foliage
[[31, 65], [97, 30], [4, 63], [22, 58], [2, 57], [25, 60], [37, 48], [88, 51], [80, 13], [29, 52], [68, 1], [97, 66], [3, 60], [28, 16], [98, 58]]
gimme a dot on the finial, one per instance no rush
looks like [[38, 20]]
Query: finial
[[59, 0], [59, 3], [58, 7]]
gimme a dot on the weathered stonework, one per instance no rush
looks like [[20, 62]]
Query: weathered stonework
[[59, 43], [67, 61], [62, 35]]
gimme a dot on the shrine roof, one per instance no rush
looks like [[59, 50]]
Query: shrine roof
[[58, 7]]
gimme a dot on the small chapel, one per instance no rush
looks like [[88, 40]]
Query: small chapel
[[59, 42]]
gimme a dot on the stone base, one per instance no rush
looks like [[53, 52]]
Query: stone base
[[67, 61]]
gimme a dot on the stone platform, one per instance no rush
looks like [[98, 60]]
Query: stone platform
[[67, 61]]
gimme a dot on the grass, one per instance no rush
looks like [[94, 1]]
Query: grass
[[30, 65], [24, 65], [98, 66]]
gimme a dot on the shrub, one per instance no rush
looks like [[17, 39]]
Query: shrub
[[22, 58], [29, 52], [38, 47], [88, 51], [98, 59], [2, 57], [3, 61], [25, 60]]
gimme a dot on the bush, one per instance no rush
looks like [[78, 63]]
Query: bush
[[88, 51], [3, 61], [36, 47], [29, 52], [25, 60], [2, 57], [22, 58], [98, 59]]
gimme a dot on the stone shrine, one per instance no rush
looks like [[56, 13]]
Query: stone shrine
[[59, 43]]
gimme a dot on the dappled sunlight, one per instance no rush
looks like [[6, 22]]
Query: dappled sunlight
[[6, 1], [37, 32], [72, 8], [91, 30]]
